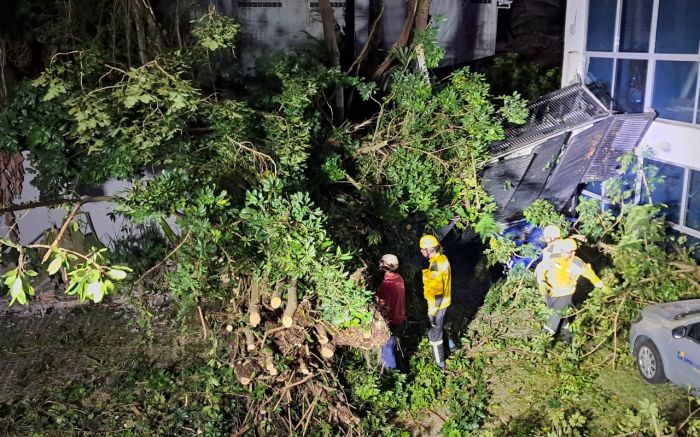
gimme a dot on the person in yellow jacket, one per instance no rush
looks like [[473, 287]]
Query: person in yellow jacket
[[560, 277], [552, 236], [437, 291]]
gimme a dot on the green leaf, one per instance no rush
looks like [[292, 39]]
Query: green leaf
[[96, 291], [55, 265], [28, 289], [73, 287], [115, 274], [16, 289]]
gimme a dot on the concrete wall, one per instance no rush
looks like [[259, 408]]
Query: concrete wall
[[279, 25], [32, 223], [468, 31]]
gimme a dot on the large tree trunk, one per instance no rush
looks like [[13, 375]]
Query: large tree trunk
[[329, 36], [404, 37], [11, 179], [3, 62], [138, 19], [347, 53], [421, 24]]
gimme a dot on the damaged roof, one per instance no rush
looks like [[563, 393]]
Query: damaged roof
[[554, 113], [569, 138]]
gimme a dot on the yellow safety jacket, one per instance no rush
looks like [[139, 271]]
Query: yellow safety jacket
[[546, 262], [437, 284], [562, 274]]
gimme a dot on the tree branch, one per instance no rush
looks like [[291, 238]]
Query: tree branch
[[56, 202]]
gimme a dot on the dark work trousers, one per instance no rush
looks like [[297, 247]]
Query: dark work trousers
[[559, 305], [436, 335]]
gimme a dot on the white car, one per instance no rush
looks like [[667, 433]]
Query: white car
[[665, 340]]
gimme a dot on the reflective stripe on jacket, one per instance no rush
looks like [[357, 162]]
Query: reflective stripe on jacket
[[546, 263], [437, 284], [562, 274]]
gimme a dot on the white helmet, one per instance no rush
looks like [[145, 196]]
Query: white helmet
[[389, 261], [551, 233]]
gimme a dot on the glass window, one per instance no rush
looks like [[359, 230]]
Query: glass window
[[674, 89], [678, 27], [599, 78], [692, 216], [694, 332], [635, 26], [694, 244], [601, 25], [669, 191], [630, 81], [595, 187]]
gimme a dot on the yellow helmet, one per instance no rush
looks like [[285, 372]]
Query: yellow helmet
[[551, 232], [428, 241], [567, 245]]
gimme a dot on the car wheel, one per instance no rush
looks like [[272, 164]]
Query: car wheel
[[649, 362]]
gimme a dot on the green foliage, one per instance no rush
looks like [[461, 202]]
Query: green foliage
[[428, 40], [289, 240], [429, 143], [381, 397], [592, 222], [542, 213], [640, 265], [333, 169], [91, 276], [427, 382], [18, 283], [142, 401], [510, 74], [215, 32], [468, 395], [487, 226], [83, 124], [646, 421]]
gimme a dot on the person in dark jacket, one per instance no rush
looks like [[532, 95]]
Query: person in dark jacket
[[391, 298]]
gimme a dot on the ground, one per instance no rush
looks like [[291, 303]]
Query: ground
[[78, 367], [91, 368]]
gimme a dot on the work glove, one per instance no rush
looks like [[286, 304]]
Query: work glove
[[604, 288]]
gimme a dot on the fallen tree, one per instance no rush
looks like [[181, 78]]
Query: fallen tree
[[276, 205]]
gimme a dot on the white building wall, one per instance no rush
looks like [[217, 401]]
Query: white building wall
[[574, 42], [669, 141]]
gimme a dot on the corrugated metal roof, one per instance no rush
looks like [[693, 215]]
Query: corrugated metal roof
[[551, 114], [515, 183], [622, 136], [574, 162], [536, 177], [590, 154], [501, 180]]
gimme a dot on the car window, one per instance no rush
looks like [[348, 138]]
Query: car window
[[694, 332]]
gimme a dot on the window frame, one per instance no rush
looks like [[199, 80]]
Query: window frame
[[651, 57], [683, 211], [680, 226]]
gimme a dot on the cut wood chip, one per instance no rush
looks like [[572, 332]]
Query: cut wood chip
[[290, 309]]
